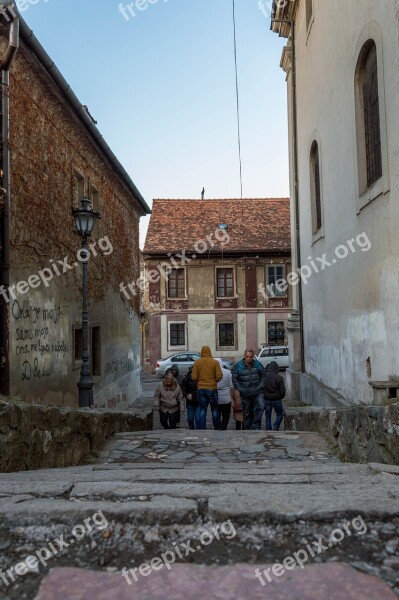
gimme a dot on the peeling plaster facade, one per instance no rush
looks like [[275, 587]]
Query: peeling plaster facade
[[176, 226], [350, 316]]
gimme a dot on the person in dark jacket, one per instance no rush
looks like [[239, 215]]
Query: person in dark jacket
[[189, 389], [176, 374], [274, 392], [249, 379], [179, 378]]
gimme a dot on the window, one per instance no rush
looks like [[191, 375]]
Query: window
[[94, 347], [315, 187], [78, 188], [372, 117], [179, 358], [226, 336], [95, 199], [177, 336], [368, 117], [95, 353], [275, 333], [176, 284], [77, 343], [225, 283], [309, 13], [274, 274]]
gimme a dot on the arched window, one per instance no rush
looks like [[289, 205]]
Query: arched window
[[368, 117], [315, 187]]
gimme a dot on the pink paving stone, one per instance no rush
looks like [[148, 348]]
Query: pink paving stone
[[331, 581]]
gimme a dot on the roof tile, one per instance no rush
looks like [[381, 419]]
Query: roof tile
[[254, 224]]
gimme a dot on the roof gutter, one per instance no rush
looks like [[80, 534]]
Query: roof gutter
[[33, 43]]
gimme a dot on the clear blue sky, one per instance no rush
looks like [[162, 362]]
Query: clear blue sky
[[162, 87]]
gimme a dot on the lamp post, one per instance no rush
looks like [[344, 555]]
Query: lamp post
[[85, 218]]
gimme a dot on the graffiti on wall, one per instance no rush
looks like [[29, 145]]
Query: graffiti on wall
[[38, 339]]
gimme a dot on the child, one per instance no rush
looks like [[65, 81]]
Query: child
[[238, 412]]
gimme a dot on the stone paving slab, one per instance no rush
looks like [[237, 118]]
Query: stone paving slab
[[160, 509], [333, 581], [191, 446], [276, 489]]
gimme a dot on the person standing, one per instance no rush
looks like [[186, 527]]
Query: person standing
[[189, 389], [174, 369], [249, 379], [207, 373], [225, 393], [274, 392], [167, 401]]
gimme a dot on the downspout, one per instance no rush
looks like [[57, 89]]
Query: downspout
[[291, 22], [5, 66]]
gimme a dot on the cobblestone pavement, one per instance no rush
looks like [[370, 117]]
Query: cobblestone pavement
[[195, 447], [159, 490]]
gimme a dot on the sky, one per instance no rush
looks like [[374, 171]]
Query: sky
[[161, 85]]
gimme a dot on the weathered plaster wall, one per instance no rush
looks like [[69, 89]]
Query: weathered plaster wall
[[350, 308], [47, 144]]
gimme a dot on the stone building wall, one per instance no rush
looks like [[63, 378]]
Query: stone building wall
[[49, 146]]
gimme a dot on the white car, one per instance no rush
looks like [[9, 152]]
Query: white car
[[183, 360], [278, 353]]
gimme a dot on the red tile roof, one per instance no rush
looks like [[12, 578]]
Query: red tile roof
[[254, 224]]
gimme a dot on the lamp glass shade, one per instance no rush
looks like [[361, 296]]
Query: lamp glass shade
[[85, 218]]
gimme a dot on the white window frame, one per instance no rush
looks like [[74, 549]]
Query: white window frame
[[218, 345], [177, 348]]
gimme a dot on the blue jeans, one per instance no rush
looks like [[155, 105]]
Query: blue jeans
[[278, 407], [204, 398], [253, 407], [193, 416]]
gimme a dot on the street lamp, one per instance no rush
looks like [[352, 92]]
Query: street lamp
[[85, 218]]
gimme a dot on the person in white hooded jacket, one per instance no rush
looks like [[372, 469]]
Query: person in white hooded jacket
[[225, 395]]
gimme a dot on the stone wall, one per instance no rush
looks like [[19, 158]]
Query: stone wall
[[40, 437], [362, 433]]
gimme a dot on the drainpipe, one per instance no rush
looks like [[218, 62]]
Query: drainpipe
[[291, 23], [5, 66]]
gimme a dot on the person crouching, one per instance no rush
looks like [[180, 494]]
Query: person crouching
[[168, 399]]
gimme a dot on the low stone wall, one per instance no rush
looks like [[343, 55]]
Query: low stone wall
[[37, 437], [362, 433]]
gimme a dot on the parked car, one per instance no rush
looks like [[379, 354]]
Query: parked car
[[183, 360], [269, 353]]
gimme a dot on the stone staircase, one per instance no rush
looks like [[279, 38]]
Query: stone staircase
[[247, 506]]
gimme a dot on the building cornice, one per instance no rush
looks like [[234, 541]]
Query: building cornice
[[285, 11]]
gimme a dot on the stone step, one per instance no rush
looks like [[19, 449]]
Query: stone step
[[334, 581], [147, 504]]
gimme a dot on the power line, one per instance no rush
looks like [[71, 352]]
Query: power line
[[237, 94]]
